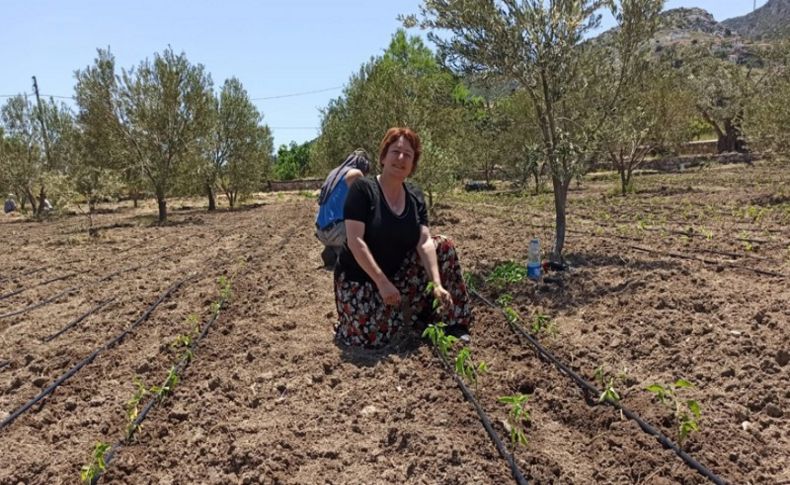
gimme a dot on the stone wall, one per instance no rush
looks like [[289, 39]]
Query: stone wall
[[303, 184]]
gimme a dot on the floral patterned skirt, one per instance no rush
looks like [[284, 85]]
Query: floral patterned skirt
[[364, 319]]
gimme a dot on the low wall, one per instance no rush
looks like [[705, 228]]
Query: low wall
[[303, 184], [683, 162], [702, 147]]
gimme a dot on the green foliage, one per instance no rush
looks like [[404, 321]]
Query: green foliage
[[96, 465], [504, 299], [99, 169], [507, 273], [225, 291], [466, 368], [34, 161], [164, 108], [518, 416], [541, 47], [406, 86], [237, 150], [133, 405], [609, 393], [652, 116], [439, 338], [511, 315], [169, 385], [767, 114], [470, 280], [292, 161], [686, 412], [542, 323]]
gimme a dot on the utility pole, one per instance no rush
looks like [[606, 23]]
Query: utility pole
[[41, 120], [42, 196]]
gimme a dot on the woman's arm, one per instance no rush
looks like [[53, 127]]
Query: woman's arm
[[352, 175], [355, 232], [426, 249]]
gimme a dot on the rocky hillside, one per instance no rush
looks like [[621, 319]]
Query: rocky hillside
[[684, 29], [771, 21]]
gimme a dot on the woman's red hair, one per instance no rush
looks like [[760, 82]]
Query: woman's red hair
[[393, 135]]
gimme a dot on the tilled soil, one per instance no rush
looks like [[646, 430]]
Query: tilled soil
[[687, 279]]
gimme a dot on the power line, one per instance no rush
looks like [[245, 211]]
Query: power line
[[290, 95], [295, 127], [297, 94]]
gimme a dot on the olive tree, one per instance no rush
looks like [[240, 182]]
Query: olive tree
[[767, 118], [98, 167], [238, 148], [163, 110], [652, 116], [540, 44], [406, 86]]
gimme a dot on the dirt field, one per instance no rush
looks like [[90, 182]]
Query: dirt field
[[685, 279]]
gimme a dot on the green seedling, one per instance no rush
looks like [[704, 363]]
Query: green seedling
[[505, 300], [194, 322], [470, 279], [181, 341], [439, 339], [511, 315], [429, 290], [609, 392], [542, 323], [215, 307], [517, 416], [687, 413], [747, 246], [507, 273], [168, 386], [466, 368], [133, 405], [97, 464], [224, 288]]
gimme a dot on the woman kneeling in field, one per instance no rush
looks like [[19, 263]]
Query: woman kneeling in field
[[390, 256]]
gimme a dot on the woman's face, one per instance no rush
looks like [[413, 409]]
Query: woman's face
[[399, 159]]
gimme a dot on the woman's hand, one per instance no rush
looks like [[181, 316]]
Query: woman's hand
[[389, 293], [443, 296]]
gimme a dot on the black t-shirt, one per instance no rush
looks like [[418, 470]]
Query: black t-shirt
[[389, 237]]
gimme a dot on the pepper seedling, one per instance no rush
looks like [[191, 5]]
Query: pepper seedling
[[517, 416], [97, 464], [686, 413]]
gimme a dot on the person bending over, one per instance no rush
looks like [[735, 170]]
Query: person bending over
[[390, 256], [329, 227]]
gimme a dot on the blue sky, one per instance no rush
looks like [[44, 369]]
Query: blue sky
[[275, 47]]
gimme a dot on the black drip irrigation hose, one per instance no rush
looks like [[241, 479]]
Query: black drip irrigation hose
[[179, 368], [143, 243], [73, 289], [77, 320], [115, 448], [26, 309], [501, 448], [87, 360], [40, 269], [708, 261], [681, 256], [24, 288], [34, 271], [590, 388]]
